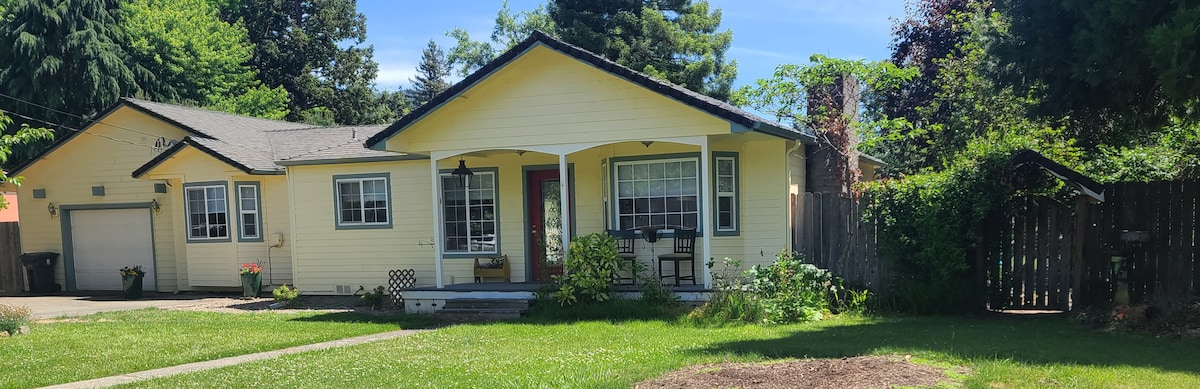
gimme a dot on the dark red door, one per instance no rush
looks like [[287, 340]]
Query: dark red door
[[545, 223]]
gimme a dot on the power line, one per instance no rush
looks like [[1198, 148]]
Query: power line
[[71, 115], [72, 129]]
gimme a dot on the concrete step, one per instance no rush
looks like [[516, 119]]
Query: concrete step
[[518, 305], [476, 315]]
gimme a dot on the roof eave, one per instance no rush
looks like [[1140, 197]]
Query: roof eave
[[334, 161], [187, 141]]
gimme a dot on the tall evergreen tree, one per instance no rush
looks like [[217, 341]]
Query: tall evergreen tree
[[431, 75], [313, 48], [65, 55], [674, 40]]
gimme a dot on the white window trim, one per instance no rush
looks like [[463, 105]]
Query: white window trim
[[495, 220], [188, 211], [337, 184], [616, 182], [242, 212]]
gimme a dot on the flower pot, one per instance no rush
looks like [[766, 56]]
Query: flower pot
[[132, 287], [251, 285]]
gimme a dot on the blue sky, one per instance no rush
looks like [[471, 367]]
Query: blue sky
[[766, 33]]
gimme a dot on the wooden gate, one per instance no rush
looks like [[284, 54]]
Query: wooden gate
[[1028, 255]]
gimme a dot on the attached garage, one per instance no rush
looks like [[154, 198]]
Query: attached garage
[[102, 241]]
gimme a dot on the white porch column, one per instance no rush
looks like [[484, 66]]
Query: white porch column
[[706, 209], [565, 203], [438, 241]]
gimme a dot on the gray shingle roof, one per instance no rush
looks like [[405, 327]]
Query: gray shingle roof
[[260, 146]]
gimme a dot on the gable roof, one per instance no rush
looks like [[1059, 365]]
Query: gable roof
[[1085, 185], [721, 109]]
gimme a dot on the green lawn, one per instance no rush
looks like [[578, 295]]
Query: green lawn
[[114, 343], [590, 354]]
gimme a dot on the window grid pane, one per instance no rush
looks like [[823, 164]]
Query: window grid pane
[[726, 190], [248, 210], [363, 201], [469, 214], [206, 210], [662, 193]]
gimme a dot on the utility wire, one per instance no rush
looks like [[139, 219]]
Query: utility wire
[[70, 114], [58, 125]]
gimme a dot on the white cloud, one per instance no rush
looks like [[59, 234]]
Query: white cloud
[[394, 75]]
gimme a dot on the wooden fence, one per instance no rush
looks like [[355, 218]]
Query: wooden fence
[[12, 273], [1143, 240], [830, 232], [1153, 226]]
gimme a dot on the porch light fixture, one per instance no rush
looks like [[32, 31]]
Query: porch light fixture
[[52, 209], [156, 206], [462, 173], [647, 143]]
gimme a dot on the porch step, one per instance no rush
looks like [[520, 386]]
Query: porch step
[[509, 304], [481, 310]]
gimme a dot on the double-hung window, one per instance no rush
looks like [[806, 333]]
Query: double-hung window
[[249, 213], [363, 201], [207, 211], [662, 193], [469, 213], [725, 192]]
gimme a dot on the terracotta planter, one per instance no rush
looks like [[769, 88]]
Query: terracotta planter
[[132, 287], [251, 285]]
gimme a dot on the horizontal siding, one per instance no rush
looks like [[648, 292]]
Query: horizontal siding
[[544, 97], [763, 200], [104, 155]]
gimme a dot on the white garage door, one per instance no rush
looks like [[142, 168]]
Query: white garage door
[[106, 240]]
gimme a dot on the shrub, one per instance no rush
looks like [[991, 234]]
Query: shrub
[[787, 291], [12, 317], [374, 298], [589, 269], [731, 299], [654, 292], [287, 296]]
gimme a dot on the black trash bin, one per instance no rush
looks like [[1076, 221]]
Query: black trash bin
[[40, 269]]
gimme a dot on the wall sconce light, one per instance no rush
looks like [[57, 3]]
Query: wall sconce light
[[462, 173], [156, 206], [647, 143], [52, 209]]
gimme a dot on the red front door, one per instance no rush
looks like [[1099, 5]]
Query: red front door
[[545, 223]]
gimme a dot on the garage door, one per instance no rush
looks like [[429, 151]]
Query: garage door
[[103, 241]]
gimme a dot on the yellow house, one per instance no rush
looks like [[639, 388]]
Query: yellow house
[[559, 142]]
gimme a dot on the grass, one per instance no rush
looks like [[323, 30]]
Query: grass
[[114, 343], [560, 351]]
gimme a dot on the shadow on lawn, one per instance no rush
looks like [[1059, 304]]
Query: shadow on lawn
[[1034, 341], [401, 320]]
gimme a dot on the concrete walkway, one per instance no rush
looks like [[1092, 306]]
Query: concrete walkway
[[45, 307], [213, 364]]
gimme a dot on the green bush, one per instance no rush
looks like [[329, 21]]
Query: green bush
[[12, 317], [287, 296], [787, 291], [929, 223], [588, 270], [374, 298]]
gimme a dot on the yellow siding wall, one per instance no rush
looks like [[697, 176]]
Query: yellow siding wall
[[68, 174], [216, 264], [545, 97]]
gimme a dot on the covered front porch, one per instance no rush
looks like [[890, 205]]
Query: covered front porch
[[514, 203]]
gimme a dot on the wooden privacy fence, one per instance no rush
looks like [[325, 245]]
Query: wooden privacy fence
[[830, 232], [12, 273], [1153, 226]]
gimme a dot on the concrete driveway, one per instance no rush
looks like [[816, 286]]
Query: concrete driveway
[[54, 306]]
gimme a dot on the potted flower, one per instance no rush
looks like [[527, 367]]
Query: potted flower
[[131, 281], [251, 279]]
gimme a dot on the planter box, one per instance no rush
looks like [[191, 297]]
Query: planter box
[[500, 272]]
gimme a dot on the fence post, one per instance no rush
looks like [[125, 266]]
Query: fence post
[[1081, 220]]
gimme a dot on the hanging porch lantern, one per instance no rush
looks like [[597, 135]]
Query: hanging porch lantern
[[463, 174]]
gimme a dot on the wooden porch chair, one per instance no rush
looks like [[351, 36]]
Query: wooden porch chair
[[684, 250], [625, 251]]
